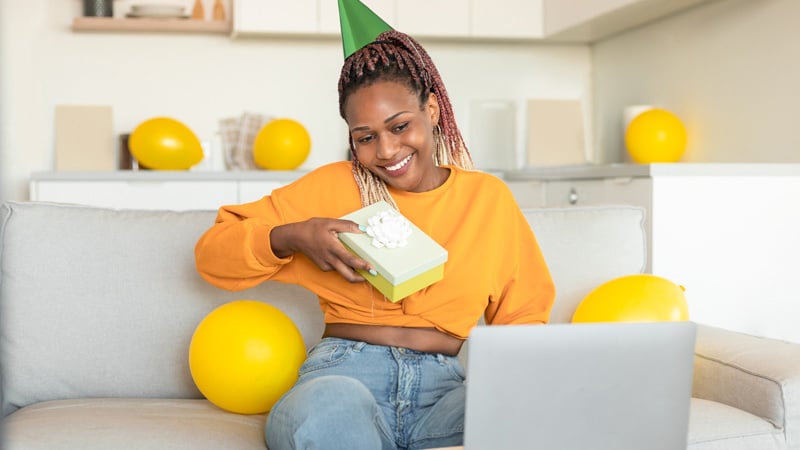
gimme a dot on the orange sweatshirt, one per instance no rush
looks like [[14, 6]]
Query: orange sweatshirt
[[494, 264]]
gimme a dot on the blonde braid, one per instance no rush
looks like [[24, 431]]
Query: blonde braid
[[371, 188]]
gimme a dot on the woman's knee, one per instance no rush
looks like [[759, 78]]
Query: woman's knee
[[327, 393], [321, 408]]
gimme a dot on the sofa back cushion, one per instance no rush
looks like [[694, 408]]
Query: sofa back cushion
[[587, 246], [103, 303]]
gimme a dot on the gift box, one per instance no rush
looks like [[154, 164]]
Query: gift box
[[405, 258]]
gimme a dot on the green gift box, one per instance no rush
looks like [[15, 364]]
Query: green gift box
[[405, 258]]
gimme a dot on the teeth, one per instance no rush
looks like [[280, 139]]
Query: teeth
[[399, 165]]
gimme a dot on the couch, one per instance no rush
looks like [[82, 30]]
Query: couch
[[97, 309]]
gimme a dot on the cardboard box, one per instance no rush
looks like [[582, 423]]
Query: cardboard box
[[402, 270]]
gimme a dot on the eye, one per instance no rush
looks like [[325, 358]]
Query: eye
[[401, 127], [365, 139]]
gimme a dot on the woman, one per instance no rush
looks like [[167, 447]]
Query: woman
[[385, 375]]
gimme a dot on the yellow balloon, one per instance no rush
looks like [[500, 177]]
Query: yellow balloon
[[281, 144], [655, 136], [163, 143], [634, 298], [245, 355]]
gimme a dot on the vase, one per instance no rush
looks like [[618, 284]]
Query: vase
[[98, 8]]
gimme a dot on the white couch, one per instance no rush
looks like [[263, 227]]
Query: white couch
[[97, 308]]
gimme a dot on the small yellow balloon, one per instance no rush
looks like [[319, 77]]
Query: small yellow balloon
[[245, 355], [281, 144], [634, 298], [163, 143], [656, 136]]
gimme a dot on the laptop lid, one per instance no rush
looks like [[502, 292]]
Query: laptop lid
[[598, 386]]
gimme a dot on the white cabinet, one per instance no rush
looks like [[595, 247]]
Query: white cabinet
[[144, 194], [433, 18], [555, 193], [275, 16], [591, 20], [624, 190], [156, 189], [419, 18], [450, 18], [528, 193], [726, 232], [548, 20], [516, 19], [329, 14], [301, 17]]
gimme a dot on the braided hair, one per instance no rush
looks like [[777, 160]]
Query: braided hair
[[397, 57]]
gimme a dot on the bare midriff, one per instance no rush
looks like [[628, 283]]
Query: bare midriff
[[428, 340]]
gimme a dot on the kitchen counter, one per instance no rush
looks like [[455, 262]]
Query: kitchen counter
[[171, 175], [574, 172], [727, 232], [158, 189], [590, 171]]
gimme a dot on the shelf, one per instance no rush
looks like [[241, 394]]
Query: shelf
[[151, 25]]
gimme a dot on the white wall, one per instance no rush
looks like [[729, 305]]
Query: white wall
[[200, 79], [728, 69]]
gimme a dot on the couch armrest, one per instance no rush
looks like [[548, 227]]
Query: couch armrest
[[755, 374]]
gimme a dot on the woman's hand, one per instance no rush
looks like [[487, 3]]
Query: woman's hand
[[317, 239]]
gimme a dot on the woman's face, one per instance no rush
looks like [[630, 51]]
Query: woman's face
[[393, 135]]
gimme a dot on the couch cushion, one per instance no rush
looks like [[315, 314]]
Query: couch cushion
[[587, 246], [716, 426], [131, 424], [66, 332]]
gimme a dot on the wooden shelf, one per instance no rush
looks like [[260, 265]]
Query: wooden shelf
[[110, 24]]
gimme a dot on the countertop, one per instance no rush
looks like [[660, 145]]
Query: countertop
[[171, 175], [589, 171], [586, 171]]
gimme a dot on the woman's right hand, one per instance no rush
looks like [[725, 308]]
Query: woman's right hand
[[317, 239]]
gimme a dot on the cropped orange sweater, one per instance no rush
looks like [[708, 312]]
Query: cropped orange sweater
[[494, 266]]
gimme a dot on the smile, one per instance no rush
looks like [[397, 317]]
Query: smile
[[399, 165]]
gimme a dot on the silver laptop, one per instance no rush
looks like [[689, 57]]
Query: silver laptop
[[598, 386]]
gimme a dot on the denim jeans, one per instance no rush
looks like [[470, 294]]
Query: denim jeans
[[352, 395]]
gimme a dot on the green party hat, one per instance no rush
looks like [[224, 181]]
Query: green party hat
[[360, 25]]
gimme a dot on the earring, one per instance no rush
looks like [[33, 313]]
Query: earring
[[439, 156]]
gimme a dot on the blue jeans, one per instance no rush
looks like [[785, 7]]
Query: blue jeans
[[353, 395]]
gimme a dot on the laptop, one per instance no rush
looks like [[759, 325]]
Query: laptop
[[587, 386]]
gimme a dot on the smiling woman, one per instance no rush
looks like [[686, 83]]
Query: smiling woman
[[391, 136], [385, 375], [396, 77]]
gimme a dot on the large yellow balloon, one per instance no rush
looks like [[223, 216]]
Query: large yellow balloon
[[281, 144], [634, 298], [656, 136], [245, 355], [163, 143]]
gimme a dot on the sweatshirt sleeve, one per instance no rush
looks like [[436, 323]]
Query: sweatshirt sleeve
[[235, 253], [528, 293]]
